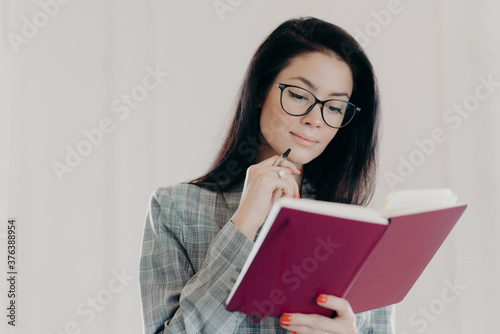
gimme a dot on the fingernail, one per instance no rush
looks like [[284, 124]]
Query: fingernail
[[321, 299], [299, 170], [293, 332], [286, 317], [285, 325]]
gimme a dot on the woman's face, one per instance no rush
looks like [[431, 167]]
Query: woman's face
[[327, 77]]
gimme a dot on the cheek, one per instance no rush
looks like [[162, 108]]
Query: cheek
[[332, 133], [274, 120]]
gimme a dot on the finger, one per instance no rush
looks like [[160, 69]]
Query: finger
[[270, 173], [270, 177], [310, 323], [287, 184], [291, 166], [294, 190], [272, 160], [340, 305]]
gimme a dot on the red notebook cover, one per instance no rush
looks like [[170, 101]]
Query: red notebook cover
[[372, 265]]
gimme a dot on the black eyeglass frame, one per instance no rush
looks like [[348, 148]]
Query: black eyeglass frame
[[282, 88]]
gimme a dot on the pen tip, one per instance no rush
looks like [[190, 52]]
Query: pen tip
[[287, 153]]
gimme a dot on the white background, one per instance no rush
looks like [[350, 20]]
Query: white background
[[76, 232]]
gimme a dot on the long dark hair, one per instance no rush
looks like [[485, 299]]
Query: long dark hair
[[345, 170]]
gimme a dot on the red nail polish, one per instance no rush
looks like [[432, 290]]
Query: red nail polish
[[286, 317], [321, 299], [299, 170], [283, 324]]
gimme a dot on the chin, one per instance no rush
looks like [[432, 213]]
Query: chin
[[302, 157]]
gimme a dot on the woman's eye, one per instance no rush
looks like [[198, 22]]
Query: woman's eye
[[296, 96], [335, 110]]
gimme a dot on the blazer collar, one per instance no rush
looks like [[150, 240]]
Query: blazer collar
[[232, 198]]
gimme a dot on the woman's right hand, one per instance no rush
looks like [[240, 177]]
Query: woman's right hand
[[261, 183]]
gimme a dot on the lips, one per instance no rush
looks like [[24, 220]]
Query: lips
[[304, 139]]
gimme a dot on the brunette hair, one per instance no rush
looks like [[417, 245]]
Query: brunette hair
[[345, 170]]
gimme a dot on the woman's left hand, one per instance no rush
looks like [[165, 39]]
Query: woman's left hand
[[344, 322]]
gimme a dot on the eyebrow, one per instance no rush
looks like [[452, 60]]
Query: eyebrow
[[311, 85]]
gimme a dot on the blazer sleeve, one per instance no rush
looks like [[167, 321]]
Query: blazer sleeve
[[383, 321], [175, 299]]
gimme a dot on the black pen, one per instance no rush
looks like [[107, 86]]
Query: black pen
[[278, 162], [282, 158]]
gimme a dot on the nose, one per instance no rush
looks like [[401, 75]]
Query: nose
[[313, 117]]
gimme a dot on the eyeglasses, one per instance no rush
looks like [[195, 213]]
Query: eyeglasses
[[297, 101]]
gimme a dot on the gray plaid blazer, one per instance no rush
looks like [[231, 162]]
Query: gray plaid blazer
[[191, 257]]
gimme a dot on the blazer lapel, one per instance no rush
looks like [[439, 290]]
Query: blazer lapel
[[230, 201]]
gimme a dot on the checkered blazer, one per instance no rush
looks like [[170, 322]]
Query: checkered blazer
[[191, 257]]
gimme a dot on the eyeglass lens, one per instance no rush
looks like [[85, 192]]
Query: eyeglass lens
[[297, 101]]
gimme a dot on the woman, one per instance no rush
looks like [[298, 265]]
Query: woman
[[309, 87]]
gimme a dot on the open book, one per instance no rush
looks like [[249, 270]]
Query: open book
[[372, 259]]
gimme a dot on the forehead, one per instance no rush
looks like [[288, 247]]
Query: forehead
[[326, 72]]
